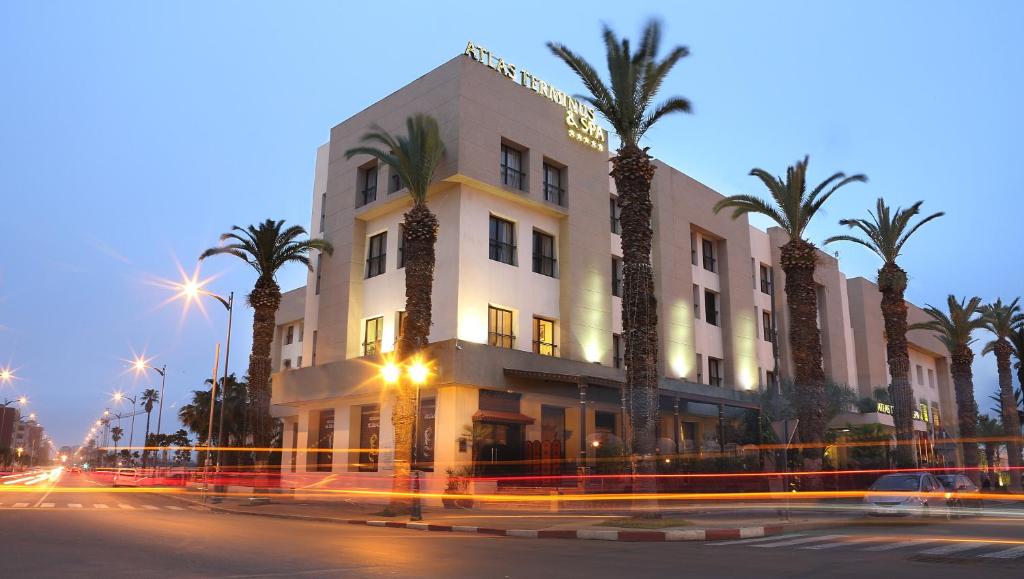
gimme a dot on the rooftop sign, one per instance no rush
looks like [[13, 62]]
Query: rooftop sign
[[580, 118]]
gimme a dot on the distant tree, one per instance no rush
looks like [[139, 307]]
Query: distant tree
[[990, 428], [150, 397]]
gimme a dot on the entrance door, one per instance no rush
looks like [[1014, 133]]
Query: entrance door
[[498, 448]]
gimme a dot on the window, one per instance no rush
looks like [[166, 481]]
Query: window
[[401, 246], [714, 371], [290, 335], [766, 326], [394, 182], [604, 422], [512, 174], [298, 362], [769, 378], [314, 349], [302, 332], [554, 191], [711, 307], [920, 375], [616, 277], [367, 184], [696, 302], [373, 330], [544, 337], [323, 211], [318, 272], [615, 214], [708, 248], [766, 279], [616, 351], [931, 377], [399, 325], [693, 248], [287, 363], [543, 254], [376, 254], [499, 327], [700, 368], [503, 240]]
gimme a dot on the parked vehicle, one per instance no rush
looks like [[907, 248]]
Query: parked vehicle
[[126, 477], [961, 492], [902, 494]]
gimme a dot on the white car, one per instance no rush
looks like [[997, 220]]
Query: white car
[[126, 477], [901, 494]]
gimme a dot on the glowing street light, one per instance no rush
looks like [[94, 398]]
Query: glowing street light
[[6, 375], [141, 364], [390, 373], [418, 372]]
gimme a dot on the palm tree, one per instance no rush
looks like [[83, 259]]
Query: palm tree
[[792, 208], [414, 158], [989, 429], [116, 434], [885, 234], [196, 414], [149, 397], [266, 248], [954, 330], [1017, 341], [627, 104], [1002, 321]]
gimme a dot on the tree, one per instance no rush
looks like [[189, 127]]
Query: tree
[[1017, 341], [990, 429], [954, 329], [627, 103], [149, 397], [885, 234], [266, 248], [116, 434], [414, 157], [196, 414], [792, 208], [1002, 320]]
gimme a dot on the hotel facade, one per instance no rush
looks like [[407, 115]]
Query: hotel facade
[[525, 343]]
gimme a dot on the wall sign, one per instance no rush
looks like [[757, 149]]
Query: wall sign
[[580, 118]]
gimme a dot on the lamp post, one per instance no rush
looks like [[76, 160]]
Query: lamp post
[[22, 401], [140, 365], [418, 372], [119, 396]]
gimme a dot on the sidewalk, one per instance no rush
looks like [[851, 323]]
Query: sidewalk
[[693, 523]]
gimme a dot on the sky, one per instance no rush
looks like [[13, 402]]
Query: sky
[[133, 133]]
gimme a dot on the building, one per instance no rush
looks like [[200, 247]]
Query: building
[[526, 345], [9, 417]]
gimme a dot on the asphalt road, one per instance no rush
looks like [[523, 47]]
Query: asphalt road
[[94, 532]]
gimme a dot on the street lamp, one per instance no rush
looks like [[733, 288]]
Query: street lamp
[[418, 373], [141, 364], [118, 397]]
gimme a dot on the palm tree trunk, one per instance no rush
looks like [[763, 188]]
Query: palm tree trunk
[[892, 282], [798, 260], [1011, 420], [145, 439], [633, 172], [420, 255], [264, 299], [967, 409]]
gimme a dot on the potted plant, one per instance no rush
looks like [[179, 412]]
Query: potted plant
[[457, 484]]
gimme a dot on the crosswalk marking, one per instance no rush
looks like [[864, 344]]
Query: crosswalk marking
[[100, 506], [47, 505], [799, 541], [898, 545], [20, 505], [174, 508], [852, 541], [954, 548], [1012, 553], [127, 507], [758, 540], [74, 505]]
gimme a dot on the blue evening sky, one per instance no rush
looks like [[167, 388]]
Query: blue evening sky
[[133, 133]]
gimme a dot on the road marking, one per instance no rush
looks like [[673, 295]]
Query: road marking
[[758, 540], [100, 506], [151, 507], [46, 505], [197, 508], [74, 505], [20, 505], [800, 541], [954, 548], [898, 545], [174, 508], [126, 507], [1013, 553]]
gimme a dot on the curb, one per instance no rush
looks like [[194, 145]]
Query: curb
[[632, 536]]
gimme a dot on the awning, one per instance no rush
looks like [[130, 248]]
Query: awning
[[497, 416]]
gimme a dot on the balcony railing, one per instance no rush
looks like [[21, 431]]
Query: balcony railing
[[554, 194], [544, 348], [368, 195], [513, 178]]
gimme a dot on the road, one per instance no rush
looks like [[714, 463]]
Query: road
[[63, 531]]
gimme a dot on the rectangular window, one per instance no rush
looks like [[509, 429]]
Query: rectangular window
[[512, 174], [769, 378], [367, 185], [376, 254], [544, 337], [766, 279], [616, 351], [369, 437], [319, 270], [499, 327], [700, 368], [503, 241], [708, 249], [323, 211], [289, 335], [931, 377], [693, 248], [313, 362], [696, 302], [714, 371], [302, 332], [394, 182], [543, 254], [298, 362], [604, 422], [920, 375], [401, 246], [616, 277], [554, 190], [615, 214], [400, 325], [373, 329], [287, 363], [711, 307], [766, 326], [325, 441]]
